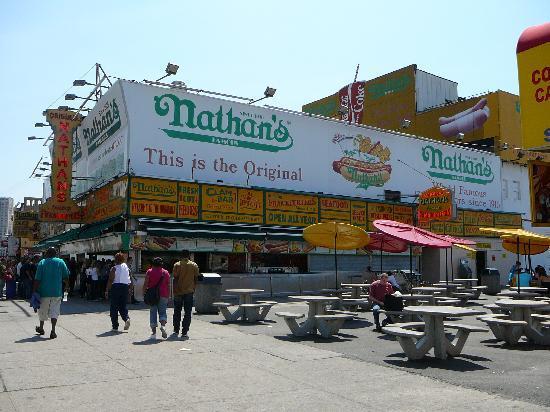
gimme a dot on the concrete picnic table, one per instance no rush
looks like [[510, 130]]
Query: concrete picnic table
[[449, 287], [247, 310], [513, 294], [522, 310], [533, 289], [356, 288], [428, 290], [417, 344], [466, 281], [317, 317], [245, 295]]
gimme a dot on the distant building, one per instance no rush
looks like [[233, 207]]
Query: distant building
[[6, 216]]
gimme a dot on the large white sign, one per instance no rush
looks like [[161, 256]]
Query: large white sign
[[102, 142], [184, 136]]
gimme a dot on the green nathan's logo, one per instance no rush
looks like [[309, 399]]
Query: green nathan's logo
[[457, 167], [222, 127]]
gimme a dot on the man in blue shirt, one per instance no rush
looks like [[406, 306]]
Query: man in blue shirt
[[51, 273]]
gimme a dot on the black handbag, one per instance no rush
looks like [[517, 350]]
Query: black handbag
[[152, 295]]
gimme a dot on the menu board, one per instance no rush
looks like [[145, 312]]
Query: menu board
[[188, 201], [403, 214], [359, 213], [289, 209], [334, 210], [379, 211], [478, 218], [231, 204], [106, 202], [507, 219]]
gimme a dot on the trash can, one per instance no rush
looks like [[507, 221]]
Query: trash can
[[490, 277], [208, 291]]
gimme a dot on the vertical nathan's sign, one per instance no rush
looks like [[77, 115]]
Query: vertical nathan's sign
[[533, 54], [60, 207]]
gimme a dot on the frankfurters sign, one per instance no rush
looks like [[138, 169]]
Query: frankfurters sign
[[435, 203]]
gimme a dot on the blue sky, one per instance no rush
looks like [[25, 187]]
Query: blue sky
[[305, 49]]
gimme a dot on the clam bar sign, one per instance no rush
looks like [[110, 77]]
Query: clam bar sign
[[60, 206]]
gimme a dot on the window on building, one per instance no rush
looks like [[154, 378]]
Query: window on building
[[504, 189], [516, 192]]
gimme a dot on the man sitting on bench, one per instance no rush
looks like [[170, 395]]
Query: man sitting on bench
[[377, 293]]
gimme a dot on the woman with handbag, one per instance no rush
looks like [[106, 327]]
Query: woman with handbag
[[156, 290]]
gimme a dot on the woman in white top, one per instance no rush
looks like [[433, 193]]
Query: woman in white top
[[117, 287]]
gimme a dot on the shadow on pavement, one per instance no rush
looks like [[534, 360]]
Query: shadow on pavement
[[36, 338], [341, 337], [110, 333], [147, 342], [453, 364]]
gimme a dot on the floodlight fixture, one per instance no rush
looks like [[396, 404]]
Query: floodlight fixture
[[171, 69], [35, 138], [504, 146], [41, 125], [269, 92], [460, 137], [406, 123]]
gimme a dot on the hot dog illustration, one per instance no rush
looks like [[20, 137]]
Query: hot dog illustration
[[160, 243], [276, 247], [365, 173]]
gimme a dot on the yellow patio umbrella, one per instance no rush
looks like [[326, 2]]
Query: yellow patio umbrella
[[519, 237], [529, 247], [468, 248], [337, 236]]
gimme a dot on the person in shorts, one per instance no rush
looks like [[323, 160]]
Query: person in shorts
[[51, 273]]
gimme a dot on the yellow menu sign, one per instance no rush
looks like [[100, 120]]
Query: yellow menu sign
[[379, 211], [219, 199], [188, 200], [291, 202], [359, 213], [154, 189], [280, 218], [251, 202], [334, 210], [478, 218], [507, 219]]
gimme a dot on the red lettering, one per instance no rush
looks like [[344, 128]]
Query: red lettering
[[546, 74], [63, 138], [534, 78], [61, 173], [61, 197], [62, 162], [64, 126], [63, 186]]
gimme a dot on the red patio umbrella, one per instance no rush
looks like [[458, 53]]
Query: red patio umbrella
[[412, 235], [385, 243]]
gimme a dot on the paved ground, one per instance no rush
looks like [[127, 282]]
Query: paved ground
[[257, 367]]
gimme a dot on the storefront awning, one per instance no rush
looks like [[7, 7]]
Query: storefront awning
[[83, 232], [186, 229]]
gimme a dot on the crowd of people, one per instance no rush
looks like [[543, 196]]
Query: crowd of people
[[44, 280]]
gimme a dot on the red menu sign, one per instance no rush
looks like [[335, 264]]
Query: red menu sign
[[435, 203], [60, 206]]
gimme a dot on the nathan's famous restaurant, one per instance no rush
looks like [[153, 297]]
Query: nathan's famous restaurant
[[236, 184]]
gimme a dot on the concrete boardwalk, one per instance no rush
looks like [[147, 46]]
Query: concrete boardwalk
[[219, 368]]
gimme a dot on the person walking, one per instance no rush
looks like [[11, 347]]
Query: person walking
[[117, 289], [2, 276], [158, 277], [185, 273], [51, 273]]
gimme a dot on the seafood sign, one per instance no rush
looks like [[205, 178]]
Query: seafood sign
[[366, 163]]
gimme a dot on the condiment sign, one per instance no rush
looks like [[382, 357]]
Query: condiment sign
[[60, 207], [435, 203]]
